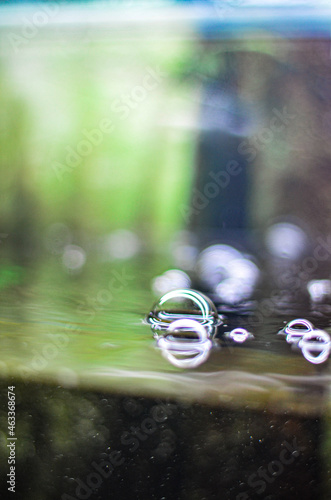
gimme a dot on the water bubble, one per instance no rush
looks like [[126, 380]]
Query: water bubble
[[213, 264], [132, 406], [295, 329], [178, 346], [315, 346], [170, 280], [319, 290], [73, 258], [183, 326], [183, 304], [185, 256], [244, 270], [184, 250], [286, 240], [240, 335], [121, 244], [228, 273], [233, 291]]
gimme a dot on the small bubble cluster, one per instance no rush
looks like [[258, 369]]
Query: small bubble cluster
[[314, 344]]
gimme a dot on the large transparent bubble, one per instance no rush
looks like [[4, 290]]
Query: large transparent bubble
[[183, 304]]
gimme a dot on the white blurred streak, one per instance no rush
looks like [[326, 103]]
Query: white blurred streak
[[153, 15]]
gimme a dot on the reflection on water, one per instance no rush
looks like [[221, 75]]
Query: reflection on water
[[182, 351], [86, 330], [172, 321], [315, 344], [89, 373], [239, 335], [173, 326], [295, 329]]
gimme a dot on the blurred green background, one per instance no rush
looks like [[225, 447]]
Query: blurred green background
[[82, 208], [58, 165]]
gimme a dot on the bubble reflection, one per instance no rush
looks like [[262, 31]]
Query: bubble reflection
[[296, 328], [239, 335], [180, 349], [315, 346]]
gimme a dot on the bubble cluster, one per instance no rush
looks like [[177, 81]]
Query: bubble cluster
[[228, 273], [315, 345]]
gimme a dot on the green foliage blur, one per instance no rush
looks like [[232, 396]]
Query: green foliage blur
[[89, 140]]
